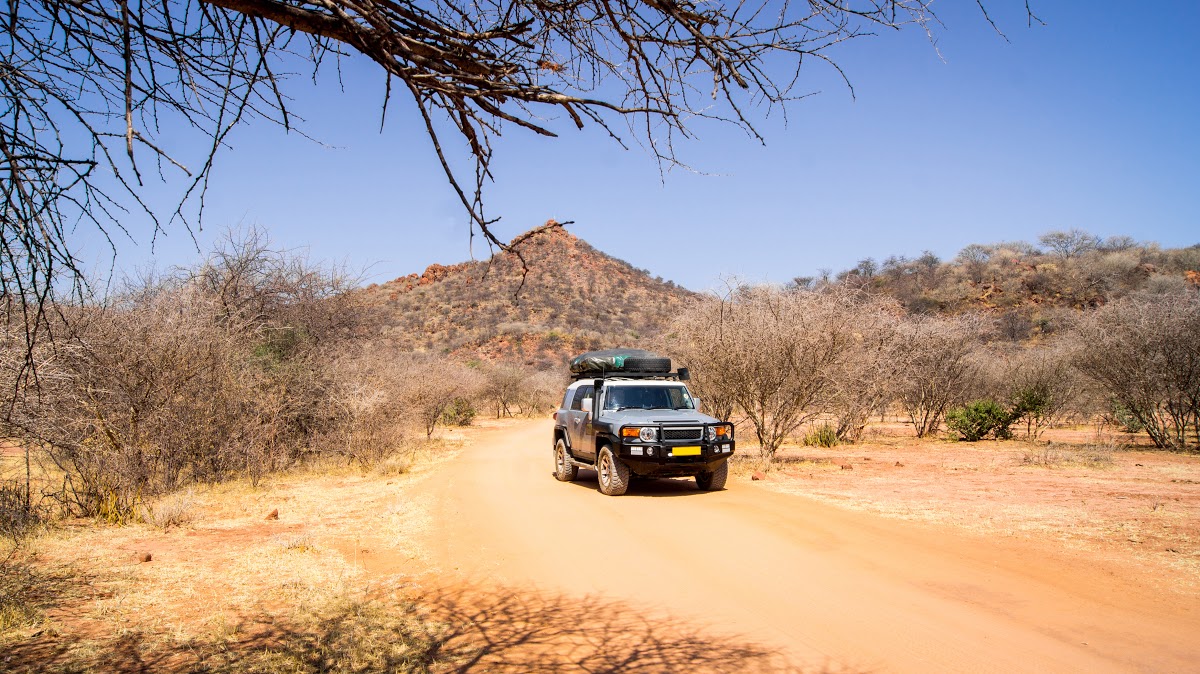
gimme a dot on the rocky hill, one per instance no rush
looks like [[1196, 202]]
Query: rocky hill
[[571, 298], [1031, 290]]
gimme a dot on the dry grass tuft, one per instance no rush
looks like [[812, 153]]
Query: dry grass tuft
[[173, 510], [301, 542], [1055, 455]]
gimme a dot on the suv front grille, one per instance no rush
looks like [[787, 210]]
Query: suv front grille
[[682, 434]]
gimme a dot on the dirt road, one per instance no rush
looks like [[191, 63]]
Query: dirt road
[[829, 589]]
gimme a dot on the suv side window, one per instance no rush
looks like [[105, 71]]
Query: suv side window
[[582, 393]]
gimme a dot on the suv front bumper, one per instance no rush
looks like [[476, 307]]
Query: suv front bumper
[[659, 459]]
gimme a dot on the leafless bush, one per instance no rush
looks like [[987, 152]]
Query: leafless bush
[[692, 340], [868, 378], [767, 351], [1144, 351], [431, 385], [541, 392], [938, 370], [1042, 387], [19, 517], [501, 388], [365, 397]]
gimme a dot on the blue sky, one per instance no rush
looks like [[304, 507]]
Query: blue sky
[[1090, 121]]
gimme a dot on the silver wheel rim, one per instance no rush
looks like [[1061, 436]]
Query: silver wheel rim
[[559, 460], [605, 469]]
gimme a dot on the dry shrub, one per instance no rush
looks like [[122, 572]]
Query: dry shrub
[[301, 542], [199, 376], [767, 352], [173, 510], [868, 378], [19, 516], [502, 388], [1042, 388], [431, 385], [938, 371], [541, 391], [364, 398], [507, 389], [20, 587], [1144, 353]]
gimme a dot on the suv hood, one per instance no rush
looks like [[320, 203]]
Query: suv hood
[[640, 416]]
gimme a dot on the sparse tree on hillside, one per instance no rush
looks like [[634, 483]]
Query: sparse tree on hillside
[[1069, 244], [974, 259]]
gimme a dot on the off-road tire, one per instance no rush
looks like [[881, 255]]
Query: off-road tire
[[611, 473], [714, 481], [564, 470]]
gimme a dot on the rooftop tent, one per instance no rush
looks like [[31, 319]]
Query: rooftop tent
[[613, 361]]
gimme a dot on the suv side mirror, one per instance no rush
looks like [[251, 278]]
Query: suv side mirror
[[586, 405], [696, 403]]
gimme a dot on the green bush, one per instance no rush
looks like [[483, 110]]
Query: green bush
[[460, 413], [981, 419], [822, 436], [1125, 419]]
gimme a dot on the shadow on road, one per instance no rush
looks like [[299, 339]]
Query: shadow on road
[[645, 486], [402, 629]]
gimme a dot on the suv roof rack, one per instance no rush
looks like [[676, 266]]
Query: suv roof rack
[[681, 375]]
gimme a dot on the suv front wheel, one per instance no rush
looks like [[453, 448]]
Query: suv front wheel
[[612, 474], [714, 481]]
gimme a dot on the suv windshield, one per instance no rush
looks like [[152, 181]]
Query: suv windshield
[[648, 398]]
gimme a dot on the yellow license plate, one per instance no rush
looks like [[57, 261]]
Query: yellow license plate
[[685, 451]]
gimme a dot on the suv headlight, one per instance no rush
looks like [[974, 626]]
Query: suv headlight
[[722, 432], [648, 434]]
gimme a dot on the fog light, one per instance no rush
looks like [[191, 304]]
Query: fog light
[[649, 451], [635, 451]]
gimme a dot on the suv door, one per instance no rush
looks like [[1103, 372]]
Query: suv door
[[577, 424]]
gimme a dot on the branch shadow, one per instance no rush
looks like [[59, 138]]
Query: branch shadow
[[449, 630]]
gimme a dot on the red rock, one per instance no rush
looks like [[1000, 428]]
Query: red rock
[[273, 515]]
